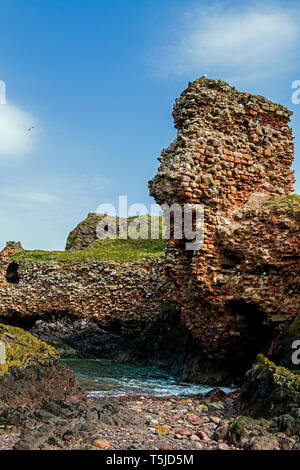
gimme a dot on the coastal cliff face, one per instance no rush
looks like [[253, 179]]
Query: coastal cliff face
[[84, 235], [233, 154], [118, 296]]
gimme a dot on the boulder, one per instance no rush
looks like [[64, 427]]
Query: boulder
[[31, 371], [270, 390]]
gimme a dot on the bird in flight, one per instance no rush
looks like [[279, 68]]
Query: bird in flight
[[30, 128]]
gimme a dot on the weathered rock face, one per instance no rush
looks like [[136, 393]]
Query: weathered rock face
[[55, 425], [84, 235], [261, 434], [233, 154], [87, 233], [119, 296], [269, 389], [31, 371], [229, 145]]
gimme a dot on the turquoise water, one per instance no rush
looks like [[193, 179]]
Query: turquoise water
[[103, 377]]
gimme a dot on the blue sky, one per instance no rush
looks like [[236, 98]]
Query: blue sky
[[98, 79]]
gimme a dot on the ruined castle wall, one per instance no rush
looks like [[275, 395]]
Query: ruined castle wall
[[231, 146], [126, 295]]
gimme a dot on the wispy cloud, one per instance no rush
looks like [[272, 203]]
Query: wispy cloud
[[252, 39], [30, 197], [60, 189], [15, 138], [42, 212]]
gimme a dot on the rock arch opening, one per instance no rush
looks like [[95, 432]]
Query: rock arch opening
[[12, 275]]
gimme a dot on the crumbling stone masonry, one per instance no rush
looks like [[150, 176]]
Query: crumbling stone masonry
[[233, 154], [121, 296]]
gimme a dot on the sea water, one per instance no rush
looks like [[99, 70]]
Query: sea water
[[104, 377]]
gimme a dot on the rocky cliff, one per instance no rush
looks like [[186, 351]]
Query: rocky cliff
[[85, 234], [233, 154]]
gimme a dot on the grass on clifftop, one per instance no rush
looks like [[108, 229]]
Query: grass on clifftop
[[115, 250]]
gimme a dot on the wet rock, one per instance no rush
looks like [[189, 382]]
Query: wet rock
[[215, 419], [290, 423], [77, 422], [215, 405], [193, 419], [198, 446], [264, 443], [184, 432]]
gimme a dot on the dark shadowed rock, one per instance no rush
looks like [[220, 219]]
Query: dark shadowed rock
[[269, 389]]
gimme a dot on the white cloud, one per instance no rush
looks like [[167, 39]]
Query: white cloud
[[15, 139], [252, 39]]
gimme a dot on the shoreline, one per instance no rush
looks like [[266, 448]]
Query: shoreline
[[156, 423]]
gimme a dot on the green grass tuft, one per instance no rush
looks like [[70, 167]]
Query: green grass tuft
[[290, 203], [116, 250]]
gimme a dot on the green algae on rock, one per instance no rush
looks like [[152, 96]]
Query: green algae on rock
[[291, 204], [23, 349], [31, 371], [270, 390]]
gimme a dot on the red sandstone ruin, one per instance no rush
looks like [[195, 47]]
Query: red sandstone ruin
[[233, 153]]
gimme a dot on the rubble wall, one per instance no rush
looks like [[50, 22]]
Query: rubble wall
[[233, 154], [125, 296]]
